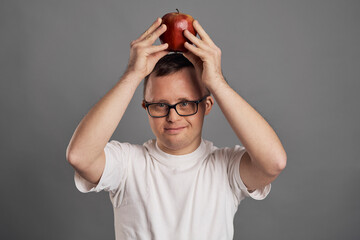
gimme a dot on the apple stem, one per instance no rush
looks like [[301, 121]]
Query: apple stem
[[177, 10]]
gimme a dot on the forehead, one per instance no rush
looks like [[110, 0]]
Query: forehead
[[182, 84]]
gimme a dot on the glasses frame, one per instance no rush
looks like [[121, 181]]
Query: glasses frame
[[147, 104]]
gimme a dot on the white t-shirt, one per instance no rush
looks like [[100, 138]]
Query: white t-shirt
[[156, 195]]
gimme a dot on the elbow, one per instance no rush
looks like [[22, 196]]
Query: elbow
[[74, 156], [281, 164], [71, 157], [278, 165], [78, 163]]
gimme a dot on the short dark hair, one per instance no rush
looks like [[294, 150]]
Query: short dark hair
[[168, 64]]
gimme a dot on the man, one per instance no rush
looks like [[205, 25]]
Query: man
[[178, 186]]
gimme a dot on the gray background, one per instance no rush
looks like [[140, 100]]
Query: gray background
[[296, 62]]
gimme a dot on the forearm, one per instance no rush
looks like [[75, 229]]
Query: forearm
[[257, 136], [99, 124]]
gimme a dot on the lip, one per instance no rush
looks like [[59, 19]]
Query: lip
[[174, 130]]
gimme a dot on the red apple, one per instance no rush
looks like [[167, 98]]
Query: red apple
[[176, 23]]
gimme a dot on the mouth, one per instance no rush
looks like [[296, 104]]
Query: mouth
[[174, 130]]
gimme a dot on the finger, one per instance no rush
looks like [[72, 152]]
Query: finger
[[195, 50], [157, 48], [203, 35], [198, 42], [152, 36], [154, 26], [156, 34]]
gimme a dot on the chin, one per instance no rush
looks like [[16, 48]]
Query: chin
[[174, 144], [177, 143]]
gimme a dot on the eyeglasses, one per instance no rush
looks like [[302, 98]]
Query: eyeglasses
[[184, 108]]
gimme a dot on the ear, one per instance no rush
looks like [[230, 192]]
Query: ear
[[209, 102], [143, 104]]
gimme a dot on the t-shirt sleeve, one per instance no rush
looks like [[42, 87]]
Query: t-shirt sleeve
[[115, 172], [237, 185]]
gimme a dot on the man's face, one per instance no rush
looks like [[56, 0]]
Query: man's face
[[177, 134]]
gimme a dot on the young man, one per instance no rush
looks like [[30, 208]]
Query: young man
[[178, 186]]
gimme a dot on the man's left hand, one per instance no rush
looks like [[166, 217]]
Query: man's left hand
[[205, 56]]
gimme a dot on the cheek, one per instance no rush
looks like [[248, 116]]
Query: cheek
[[155, 123], [197, 120]]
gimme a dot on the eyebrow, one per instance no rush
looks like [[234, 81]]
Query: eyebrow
[[166, 101]]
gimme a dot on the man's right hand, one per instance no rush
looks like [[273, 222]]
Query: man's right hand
[[143, 54]]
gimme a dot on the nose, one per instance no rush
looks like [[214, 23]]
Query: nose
[[173, 116]]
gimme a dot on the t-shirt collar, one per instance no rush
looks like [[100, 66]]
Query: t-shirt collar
[[176, 160]]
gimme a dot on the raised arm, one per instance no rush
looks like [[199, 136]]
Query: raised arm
[[265, 157], [85, 151]]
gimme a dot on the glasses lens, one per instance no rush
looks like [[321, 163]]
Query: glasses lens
[[186, 108], [158, 109], [182, 108]]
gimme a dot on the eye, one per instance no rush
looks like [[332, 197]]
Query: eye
[[161, 105], [184, 104]]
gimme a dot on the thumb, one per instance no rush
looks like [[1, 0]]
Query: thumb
[[159, 55], [190, 56], [195, 60]]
